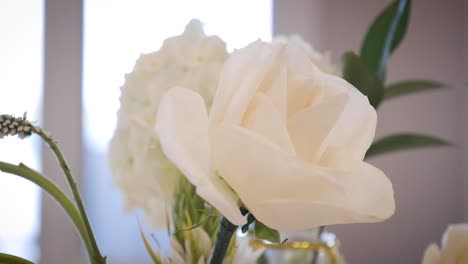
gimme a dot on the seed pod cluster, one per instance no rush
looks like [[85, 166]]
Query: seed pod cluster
[[12, 126]]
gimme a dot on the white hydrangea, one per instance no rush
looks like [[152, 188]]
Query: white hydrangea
[[321, 60], [143, 173]]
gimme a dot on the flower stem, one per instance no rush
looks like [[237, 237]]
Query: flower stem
[[98, 258], [54, 191], [223, 238], [7, 258], [320, 232]]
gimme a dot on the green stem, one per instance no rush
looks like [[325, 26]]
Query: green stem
[[320, 231], [76, 194], [223, 238], [10, 259], [54, 191]]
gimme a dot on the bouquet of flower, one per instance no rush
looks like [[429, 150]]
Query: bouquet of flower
[[454, 247], [270, 137]]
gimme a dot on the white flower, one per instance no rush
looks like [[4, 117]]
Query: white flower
[[321, 60], [147, 178], [201, 244], [454, 247], [283, 138]]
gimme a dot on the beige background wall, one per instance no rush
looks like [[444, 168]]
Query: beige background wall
[[465, 110], [428, 183]]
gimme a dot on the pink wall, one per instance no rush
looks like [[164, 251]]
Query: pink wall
[[428, 183], [465, 111]]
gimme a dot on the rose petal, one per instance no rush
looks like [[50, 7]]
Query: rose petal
[[355, 129], [284, 192], [301, 94], [263, 119], [369, 198], [240, 79], [298, 61], [368, 191], [307, 86], [303, 214], [275, 87], [431, 255], [182, 126], [455, 244], [304, 88], [259, 170], [309, 128]]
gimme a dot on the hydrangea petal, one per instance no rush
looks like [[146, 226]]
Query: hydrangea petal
[[146, 178]]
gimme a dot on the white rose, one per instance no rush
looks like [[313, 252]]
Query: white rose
[[454, 247], [283, 139], [141, 170], [321, 60]]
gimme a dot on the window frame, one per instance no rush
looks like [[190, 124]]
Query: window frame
[[63, 49]]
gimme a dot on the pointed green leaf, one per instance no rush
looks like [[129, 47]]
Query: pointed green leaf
[[384, 35], [356, 72], [404, 141], [264, 232], [409, 87], [262, 259], [53, 190], [10, 259], [154, 256]]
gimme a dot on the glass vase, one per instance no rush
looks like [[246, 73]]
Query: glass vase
[[306, 247]]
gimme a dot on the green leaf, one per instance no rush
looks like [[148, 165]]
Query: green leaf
[[404, 141], [262, 259], [409, 87], [154, 256], [56, 193], [10, 259], [384, 36], [264, 232], [356, 72]]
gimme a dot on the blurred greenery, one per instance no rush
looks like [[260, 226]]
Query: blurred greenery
[[403, 141], [368, 70]]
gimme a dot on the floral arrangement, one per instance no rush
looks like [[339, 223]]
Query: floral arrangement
[[270, 137], [454, 247]]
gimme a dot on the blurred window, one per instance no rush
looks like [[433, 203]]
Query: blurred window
[[115, 33], [21, 49]]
